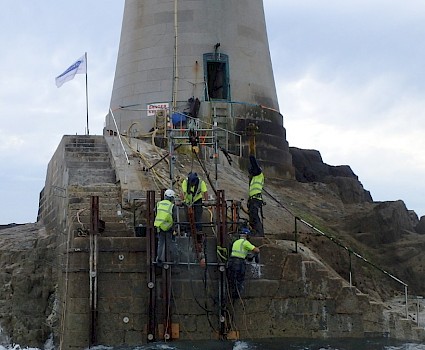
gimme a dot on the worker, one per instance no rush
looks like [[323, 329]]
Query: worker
[[194, 190], [165, 219], [237, 262], [255, 200]]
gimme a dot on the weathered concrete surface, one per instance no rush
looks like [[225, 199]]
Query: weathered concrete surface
[[296, 297]]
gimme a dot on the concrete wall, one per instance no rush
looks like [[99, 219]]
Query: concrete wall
[[288, 295], [121, 297]]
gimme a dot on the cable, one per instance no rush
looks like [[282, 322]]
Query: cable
[[179, 315]]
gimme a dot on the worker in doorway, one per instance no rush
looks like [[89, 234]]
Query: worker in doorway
[[165, 218], [194, 190], [255, 200], [236, 265]]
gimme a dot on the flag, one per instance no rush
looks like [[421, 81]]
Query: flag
[[78, 67]]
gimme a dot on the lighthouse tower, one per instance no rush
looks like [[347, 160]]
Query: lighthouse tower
[[209, 58]]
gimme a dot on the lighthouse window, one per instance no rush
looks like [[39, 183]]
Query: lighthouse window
[[216, 77]]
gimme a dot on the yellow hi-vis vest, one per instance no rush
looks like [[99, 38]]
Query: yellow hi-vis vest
[[188, 198], [164, 215], [256, 185], [241, 248]]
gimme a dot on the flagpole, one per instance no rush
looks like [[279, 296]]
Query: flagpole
[[87, 97]]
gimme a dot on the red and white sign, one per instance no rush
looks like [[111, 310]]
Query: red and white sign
[[154, 107]]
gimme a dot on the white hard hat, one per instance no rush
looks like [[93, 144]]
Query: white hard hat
[[169, 193]]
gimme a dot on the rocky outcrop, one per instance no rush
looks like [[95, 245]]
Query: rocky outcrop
[[387, 222], [420, 226], [309, 167], [27, 290]]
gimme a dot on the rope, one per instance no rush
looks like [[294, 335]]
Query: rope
[[207, 174], [157, 177]]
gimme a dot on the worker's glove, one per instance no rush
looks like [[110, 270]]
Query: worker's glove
[[257, 258]]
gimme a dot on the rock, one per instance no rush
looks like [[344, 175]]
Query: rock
[[420, 226], [26, 258], [386, 223], [309, 167]]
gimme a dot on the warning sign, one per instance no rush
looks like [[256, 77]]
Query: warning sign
[[154, 107]]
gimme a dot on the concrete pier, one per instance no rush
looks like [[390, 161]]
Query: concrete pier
[[287, 295]]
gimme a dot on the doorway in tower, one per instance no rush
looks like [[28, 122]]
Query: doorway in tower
[[216, 74]]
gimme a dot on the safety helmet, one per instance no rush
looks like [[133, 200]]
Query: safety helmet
[[169, 194], [245, 231], [193, 179]]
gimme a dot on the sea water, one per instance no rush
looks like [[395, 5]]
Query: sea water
[[272, 344], [279, 344]]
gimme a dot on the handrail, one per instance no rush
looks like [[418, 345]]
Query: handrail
[[119, 136], [209, 124], [181, 104], [213, 128], [350, 251]]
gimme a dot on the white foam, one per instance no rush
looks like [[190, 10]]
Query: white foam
[[240, 345]]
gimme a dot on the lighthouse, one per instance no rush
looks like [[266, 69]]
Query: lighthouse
[[208, 59]]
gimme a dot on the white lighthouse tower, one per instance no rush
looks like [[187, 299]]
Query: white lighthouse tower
[[178, 55]]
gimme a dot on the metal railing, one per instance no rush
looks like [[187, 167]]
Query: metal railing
[[230, 140], [418, 300], [349, 250], [350, 254], [211, 133], [119, 136]]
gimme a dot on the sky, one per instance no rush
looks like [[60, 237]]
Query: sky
[[349, 77]]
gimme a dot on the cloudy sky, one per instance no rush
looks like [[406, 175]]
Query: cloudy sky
[[349, 76]]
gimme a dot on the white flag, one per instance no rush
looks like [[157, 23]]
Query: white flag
[[79, 67]]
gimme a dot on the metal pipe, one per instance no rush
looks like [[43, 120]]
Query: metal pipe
[[296, 235], [151, 277], [119, 136], [350, 270], [175, 78], [405, 297], [94, 230], [417, 311], [221, 233]]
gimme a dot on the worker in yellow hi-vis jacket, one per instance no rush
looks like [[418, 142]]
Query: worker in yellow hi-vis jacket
[[255, 200], [194, 191], [165, 218], [236, 265]]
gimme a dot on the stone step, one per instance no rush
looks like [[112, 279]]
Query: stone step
[[109, 225], [83, 199], [89, 165], [103, 191], [111, 228], [112, 244], [101, 151], [92, 176], [107, 208], [87, 158], [84, 218], [86, 139]]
